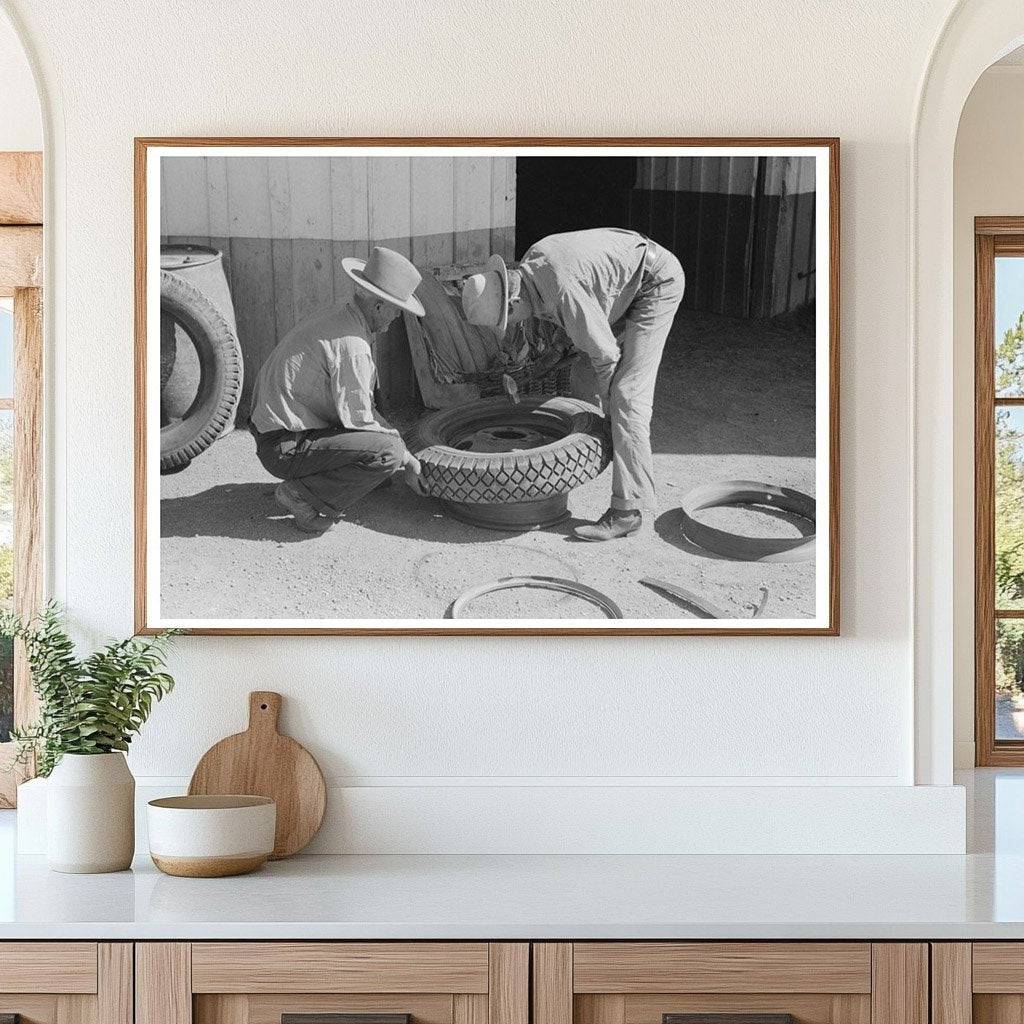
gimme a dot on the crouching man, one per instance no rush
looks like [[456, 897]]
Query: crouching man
[[313, 416], [614, 293]]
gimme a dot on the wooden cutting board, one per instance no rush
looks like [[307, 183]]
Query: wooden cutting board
[[262, 762]]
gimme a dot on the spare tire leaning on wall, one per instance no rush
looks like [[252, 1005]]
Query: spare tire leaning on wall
[[506, 466], [220, 372]]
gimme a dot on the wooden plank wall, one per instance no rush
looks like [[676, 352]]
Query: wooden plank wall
[[742, 227], [284, 224]]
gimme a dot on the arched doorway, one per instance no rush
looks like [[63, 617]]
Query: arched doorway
[[976, 33]]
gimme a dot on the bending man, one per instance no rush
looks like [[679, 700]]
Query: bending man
[[614, 293], [313, 416]]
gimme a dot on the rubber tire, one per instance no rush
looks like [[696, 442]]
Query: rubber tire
[[220, 373], [483, 478]]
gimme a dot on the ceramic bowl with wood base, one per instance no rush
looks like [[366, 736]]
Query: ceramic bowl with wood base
[[211, 836]]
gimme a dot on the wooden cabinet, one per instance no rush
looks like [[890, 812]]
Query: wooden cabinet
[[979, 982], [815, 982], [494, 983], [260, 982], [66, 982]]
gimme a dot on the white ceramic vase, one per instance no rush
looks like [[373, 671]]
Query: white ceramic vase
[[90, 814]]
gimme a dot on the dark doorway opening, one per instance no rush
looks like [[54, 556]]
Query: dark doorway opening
[[570, 193]]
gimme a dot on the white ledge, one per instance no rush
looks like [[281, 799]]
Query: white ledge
[[532, 897], [599, 819]]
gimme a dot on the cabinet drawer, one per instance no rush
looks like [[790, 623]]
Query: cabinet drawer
[[980, 982], [630, 967], [48, 967], [66, 982], [340, 967], [736, 982], [998, 967], [262, 982]]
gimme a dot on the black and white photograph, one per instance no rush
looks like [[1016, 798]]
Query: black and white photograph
[[465, 387]]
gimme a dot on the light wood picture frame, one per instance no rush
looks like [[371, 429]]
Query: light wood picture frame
[[755, 250]]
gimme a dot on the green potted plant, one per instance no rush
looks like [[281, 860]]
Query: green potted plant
[[89, 710]]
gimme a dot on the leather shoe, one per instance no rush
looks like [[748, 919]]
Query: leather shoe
[[307, 518], [611, 526]]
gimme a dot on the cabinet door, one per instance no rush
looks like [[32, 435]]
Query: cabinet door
[[980, 982], [737, 982], [66, 982], [332, 983]]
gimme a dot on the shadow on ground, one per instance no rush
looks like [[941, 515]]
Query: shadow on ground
[[248, 511], [397, 512], [240, 511]]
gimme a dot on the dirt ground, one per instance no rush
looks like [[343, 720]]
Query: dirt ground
[[735, 400]]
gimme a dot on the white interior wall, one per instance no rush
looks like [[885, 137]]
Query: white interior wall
[[440, 716], [21, 124], [988, 181]]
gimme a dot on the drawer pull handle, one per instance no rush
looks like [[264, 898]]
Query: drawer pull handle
[[728, 1018], [341, 1018]]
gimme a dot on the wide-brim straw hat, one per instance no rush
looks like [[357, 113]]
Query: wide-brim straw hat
[[485, 296], [388, 275]]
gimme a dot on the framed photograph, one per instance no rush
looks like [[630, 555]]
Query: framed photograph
[[487, 386]]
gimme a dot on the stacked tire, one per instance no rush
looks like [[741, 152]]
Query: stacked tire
[[219, 384]]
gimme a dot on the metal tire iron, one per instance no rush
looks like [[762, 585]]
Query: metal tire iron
[[694, 600]]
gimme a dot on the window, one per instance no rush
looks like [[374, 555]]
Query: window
[[21, 375], [20, 494], [6, 510], [999, 490]]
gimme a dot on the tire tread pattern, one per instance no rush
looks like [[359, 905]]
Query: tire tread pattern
[[457, 476], [180, 298]]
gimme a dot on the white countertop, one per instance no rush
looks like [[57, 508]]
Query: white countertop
[[978, 896], [532, 897]]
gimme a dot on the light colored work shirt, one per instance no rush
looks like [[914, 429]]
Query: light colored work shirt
[[321, 374], [585, 281]]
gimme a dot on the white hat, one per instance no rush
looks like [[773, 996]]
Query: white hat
[[485, 296], [388, 275]]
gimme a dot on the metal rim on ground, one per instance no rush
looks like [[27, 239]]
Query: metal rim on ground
[[749, 549], [606, 604]]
